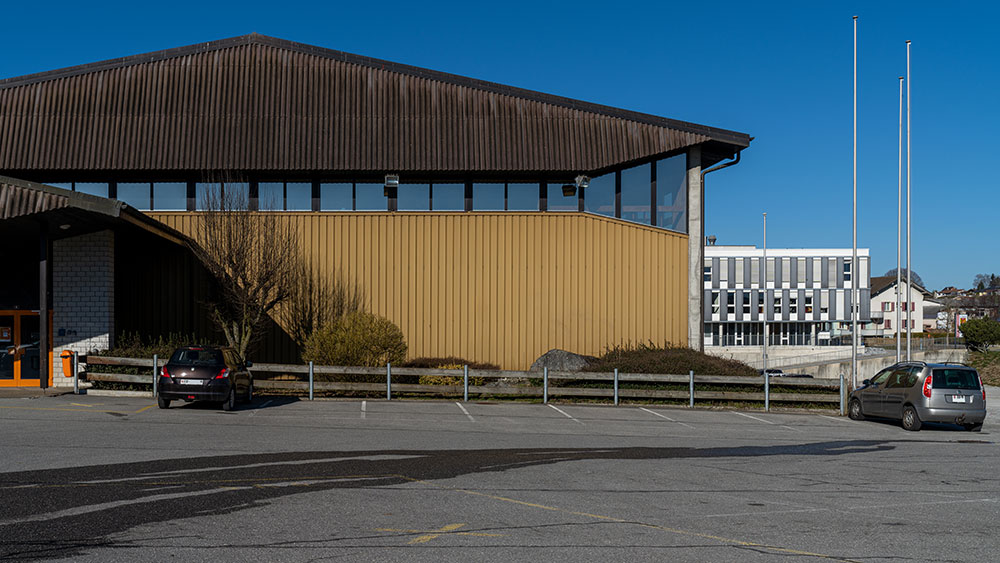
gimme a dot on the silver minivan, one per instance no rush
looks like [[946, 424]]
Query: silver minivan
[[918, 392]]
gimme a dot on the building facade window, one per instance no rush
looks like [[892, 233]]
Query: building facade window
[[636, 194], [451, 197], [138, 195], [336, 197], [370, 197], [731, 303], [599, 196], [847, 271], [715, 303], [488, 197], [671, 193], [707, 272], [169, 196]]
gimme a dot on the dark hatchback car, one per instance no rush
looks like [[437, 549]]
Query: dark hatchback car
[[205, 373], [918, 392]]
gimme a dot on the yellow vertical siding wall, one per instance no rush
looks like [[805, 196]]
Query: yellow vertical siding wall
[[503, 287]]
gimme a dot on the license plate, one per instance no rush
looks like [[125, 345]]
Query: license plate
[[958, 398], [190, 381]]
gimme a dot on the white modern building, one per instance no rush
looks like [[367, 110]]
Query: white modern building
[[806, 293], [883, 308]]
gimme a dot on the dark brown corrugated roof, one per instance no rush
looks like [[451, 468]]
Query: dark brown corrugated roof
[[260, 103]]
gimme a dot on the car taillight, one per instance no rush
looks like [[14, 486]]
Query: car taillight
[[223, 373], [927, 387], [165, 373], [983, 388]]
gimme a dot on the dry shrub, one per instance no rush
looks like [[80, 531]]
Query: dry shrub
[[356, 339], [649, 358], [450, 362]]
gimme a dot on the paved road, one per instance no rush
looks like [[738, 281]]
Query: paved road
[[115, 479]]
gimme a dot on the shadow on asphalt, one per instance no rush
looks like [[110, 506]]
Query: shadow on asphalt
[[258, 403], [63, 513]]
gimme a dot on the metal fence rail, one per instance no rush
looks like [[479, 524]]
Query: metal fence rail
[[544, 384]]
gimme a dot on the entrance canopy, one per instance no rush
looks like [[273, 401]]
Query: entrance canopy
[[32, 216]]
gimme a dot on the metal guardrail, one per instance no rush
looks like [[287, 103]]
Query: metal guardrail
[[511, 383]]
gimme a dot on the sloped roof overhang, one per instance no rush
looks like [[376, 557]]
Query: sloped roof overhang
[[260, 103]]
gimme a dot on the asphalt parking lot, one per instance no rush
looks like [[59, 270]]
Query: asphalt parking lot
[[88, 478]]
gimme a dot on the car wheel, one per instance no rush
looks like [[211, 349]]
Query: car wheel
[[854, 410], [911, 421], [974, 427], [162, 403], [230, 402]]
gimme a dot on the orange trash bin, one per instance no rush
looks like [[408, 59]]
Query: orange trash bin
[[67, 362]]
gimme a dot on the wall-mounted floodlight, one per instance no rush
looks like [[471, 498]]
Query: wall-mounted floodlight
[[391, 183], [582, 181]]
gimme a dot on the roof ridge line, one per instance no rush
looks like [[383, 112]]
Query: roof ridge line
[[714, 133]]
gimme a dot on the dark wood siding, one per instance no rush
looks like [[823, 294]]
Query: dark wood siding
[[161, 288]]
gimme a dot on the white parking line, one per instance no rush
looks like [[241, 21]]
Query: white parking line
[[364, 405], [564, 413], [837, 419], [260, 407], [754, 417], [465, 411], [654, 413], [790, 428]]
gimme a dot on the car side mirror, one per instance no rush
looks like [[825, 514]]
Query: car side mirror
[[866, 382]]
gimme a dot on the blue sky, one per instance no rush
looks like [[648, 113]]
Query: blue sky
[[778, 71]]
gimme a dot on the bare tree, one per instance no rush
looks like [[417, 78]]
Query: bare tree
[[317, 300], [253, 255]]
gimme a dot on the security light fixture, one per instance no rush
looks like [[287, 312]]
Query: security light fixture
[[65, 227], [391, 183], [581, 181]]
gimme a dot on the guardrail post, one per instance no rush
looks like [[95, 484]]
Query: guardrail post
[[767, 392], [616, 386], [466, 384], [545, 385], [842, 395], [691, 389], [388, 381], [310, 381], [155, 366], [76, 373]]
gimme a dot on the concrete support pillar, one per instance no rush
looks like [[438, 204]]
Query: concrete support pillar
[[696, 248], [44, 304]]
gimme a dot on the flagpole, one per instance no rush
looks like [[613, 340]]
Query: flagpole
[[899, 229], [909, 265], [854, 255]]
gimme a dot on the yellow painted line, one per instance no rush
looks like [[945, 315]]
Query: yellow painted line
[[61, 409], [642, 524], [83, 405], [432, 534], [88, 409]]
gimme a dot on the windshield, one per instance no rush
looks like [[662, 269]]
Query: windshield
[[956, 379], [197, 357]]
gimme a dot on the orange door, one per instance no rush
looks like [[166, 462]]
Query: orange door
[[19, 349]]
